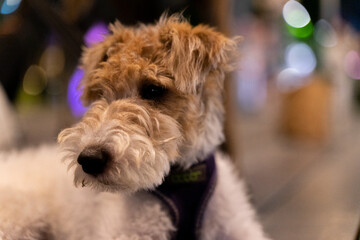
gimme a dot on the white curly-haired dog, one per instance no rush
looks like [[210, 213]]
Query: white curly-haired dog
[[143, 158]]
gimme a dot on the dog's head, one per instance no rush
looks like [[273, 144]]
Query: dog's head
[[155, 96]]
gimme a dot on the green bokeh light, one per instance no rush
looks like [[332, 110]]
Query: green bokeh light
[[303, 32]]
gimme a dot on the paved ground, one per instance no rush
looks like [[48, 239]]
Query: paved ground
[[303, 191]]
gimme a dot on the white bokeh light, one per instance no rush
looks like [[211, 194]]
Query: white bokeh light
[[289, 80], [325, 34], [295, 14], [299, 56]]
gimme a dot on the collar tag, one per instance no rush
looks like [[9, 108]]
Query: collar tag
[[192, 175]]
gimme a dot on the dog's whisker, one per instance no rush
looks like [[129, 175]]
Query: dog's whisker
[[118, 171], [72, 164], [169, 139], [157, 124]]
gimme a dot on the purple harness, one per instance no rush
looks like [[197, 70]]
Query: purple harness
[[186, 193]]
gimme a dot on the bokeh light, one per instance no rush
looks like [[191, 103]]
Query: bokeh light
[[352, 64], [96, 33], [295, 14], [34, 81], [52, 60], [251, 93], [13, 2], [300, 57], [9, 6], [325, 34], [74, 93], [289, 80], [303, 32]]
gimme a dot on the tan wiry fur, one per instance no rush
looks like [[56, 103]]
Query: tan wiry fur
[[145, 136]]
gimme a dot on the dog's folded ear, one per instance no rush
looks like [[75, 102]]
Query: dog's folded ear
[[97, 54], [194, 52]]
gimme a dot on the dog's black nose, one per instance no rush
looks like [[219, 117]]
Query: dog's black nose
[[93, 160]]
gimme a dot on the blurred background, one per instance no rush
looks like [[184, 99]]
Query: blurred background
[[293, 108]]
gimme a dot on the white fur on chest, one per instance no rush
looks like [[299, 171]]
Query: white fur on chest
[[43, 198]]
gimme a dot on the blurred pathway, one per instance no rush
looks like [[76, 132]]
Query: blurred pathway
[[303, 191]]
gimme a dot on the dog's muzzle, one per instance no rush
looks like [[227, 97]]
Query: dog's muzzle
[[94, 160]]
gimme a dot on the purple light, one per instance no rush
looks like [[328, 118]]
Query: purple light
[[352, 65], [96, 33], [74, 93]]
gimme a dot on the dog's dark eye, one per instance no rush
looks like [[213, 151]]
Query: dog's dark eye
[[104, 58], [152, 92]]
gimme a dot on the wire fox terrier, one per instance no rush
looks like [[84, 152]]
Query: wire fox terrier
[[144, 156]]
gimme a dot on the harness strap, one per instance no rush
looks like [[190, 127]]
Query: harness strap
[[186, 193]]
